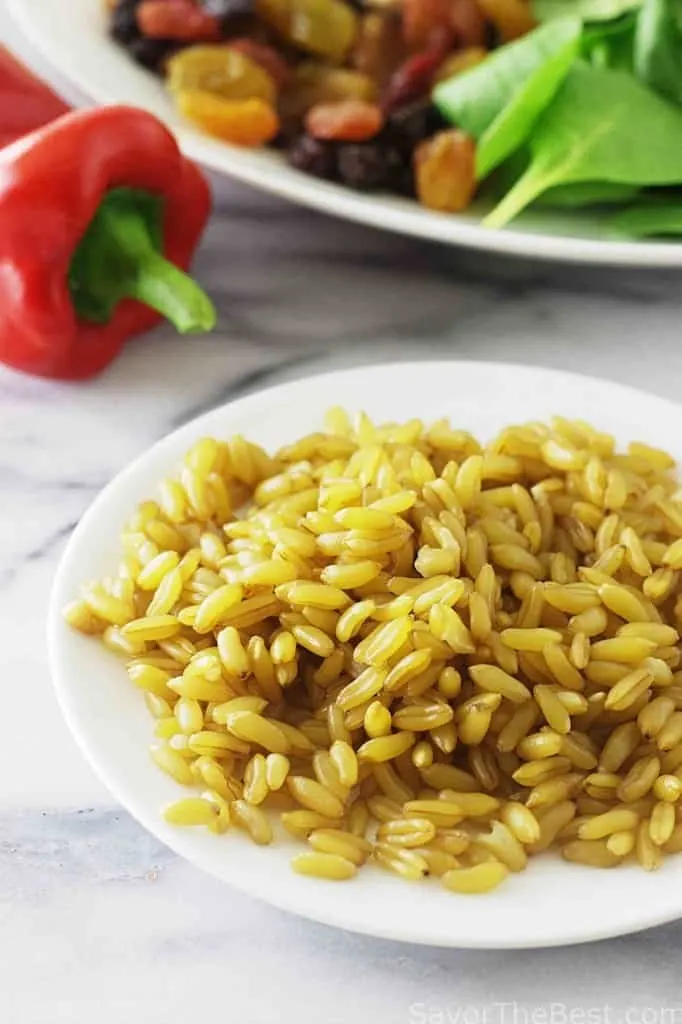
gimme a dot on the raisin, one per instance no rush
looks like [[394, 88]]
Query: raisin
[[313, 156], [221, 70], [347, 121], [410, 125], [123, 22], [317, 83], [364, 166], [151, 53], [445, 171], [324, 27], [379, 48]]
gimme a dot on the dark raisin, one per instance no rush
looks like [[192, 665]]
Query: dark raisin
[[151, 53], [412, 124], [122, 23], [364, 165], [313, 156]]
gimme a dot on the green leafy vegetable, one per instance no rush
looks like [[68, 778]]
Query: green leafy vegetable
[[650, 219], [611, 44], [499, 100], [588, 10], [658, 47], [587, 193], [588, 134]]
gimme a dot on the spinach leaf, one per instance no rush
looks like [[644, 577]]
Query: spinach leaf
[[587, 193], [602, 126], [658, 47], [611, 44], [588, 10], [499, 100], [649, 219]]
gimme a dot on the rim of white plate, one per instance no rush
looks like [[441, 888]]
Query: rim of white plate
[[70, 35], [553, 903]]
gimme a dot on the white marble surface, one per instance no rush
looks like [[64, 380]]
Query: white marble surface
[[97, 921]]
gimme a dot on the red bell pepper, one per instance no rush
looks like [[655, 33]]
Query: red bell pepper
[[99, 216]]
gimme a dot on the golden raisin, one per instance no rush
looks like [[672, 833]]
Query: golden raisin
[[445, 171]]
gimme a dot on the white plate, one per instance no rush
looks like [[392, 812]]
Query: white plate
[[71, 35], [553, 902]]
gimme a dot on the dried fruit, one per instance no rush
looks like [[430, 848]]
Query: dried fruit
[[313, 156], [468, 22], [123, 23], [150, 53], [318, 83], [222, 71], [456, 63], [176, 19], [412, 80], [445, 171], [266, 57], [364, 166], [348, 121], [412, 124], [324, 27], [247, 122], [426, 23], [380, 47], [512, 18]]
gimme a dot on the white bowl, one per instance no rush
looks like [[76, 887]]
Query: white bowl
[[553, 902], [71, 34]]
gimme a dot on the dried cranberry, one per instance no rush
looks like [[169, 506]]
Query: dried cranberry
[[412, 124], [412, 80], [123, 23], [313, 156]]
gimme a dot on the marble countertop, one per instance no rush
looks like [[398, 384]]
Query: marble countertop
[[98, 922]]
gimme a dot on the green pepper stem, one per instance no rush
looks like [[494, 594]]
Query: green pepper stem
[[171, 292], [119, 258]]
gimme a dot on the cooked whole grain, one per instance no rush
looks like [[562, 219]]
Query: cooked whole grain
[[413, 649]]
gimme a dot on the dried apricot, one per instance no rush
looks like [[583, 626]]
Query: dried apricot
[[248, 122], [348, 121], [445, 171], [220, 70], [176, 19]]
